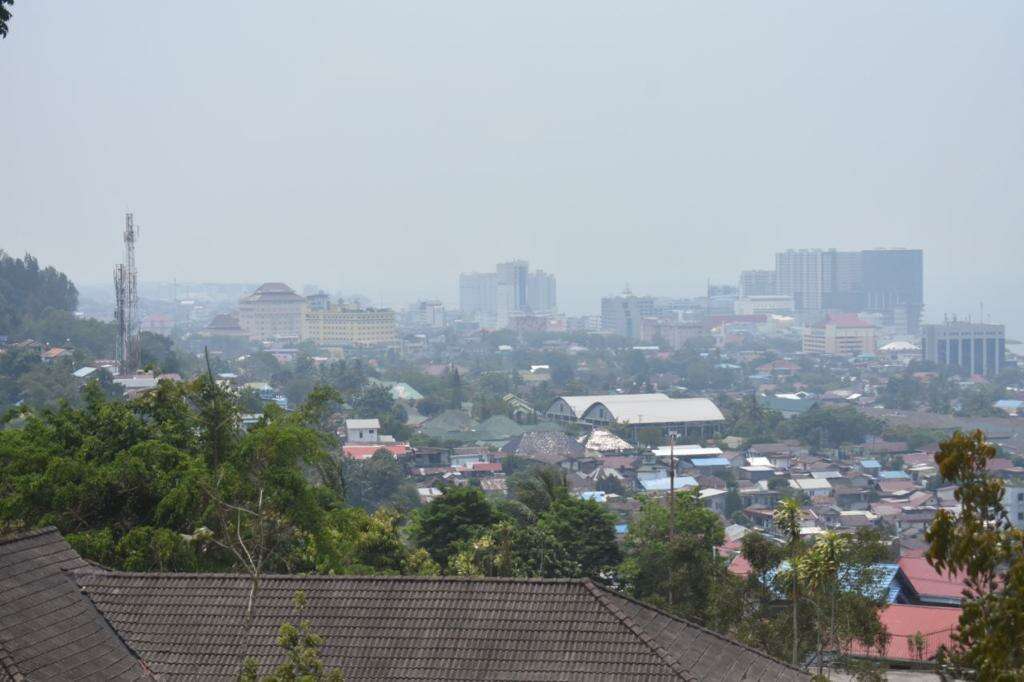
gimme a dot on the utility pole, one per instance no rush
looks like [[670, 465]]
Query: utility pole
[[671, 511]]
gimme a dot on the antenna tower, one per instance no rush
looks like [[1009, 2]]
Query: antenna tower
[[128, 343]]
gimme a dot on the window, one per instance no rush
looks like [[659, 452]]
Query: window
[[1020, 516], [1020, 498]]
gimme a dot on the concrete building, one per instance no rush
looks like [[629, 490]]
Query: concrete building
[[541, 292], [758, 283], [342, 325], [478, 293], [974, 347], [272, 313], [806, 275], [1013, 500], [668, 332], [623, 314], [427, 314], [494, 298], [840, 334], [763, 305]]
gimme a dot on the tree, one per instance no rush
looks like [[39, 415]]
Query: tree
[[586, 531], [5, 16], [511, 551], [373, 482], [458, 515], [787, 519], [981, 544], [301, 647], [674, 564], [538, 487]]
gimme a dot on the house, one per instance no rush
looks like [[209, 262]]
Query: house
[[362, 430], [815, 487], [930, 587], [904, 622], [99, 624]]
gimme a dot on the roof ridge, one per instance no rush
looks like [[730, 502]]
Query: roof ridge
[[99, 570], [26, 534], [602, 598], [101, 618], [700, 627]]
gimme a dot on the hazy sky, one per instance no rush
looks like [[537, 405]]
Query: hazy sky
[[384, 147]]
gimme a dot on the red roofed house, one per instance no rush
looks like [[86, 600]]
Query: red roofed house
[[903, 622], [366, 450], [930, 587], [840, 334]]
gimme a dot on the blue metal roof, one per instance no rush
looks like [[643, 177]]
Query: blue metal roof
[[870, 464], [710, 462], [596, 495], [893, 474], [663, 483], [883, 587]]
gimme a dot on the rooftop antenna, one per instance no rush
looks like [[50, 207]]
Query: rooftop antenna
[[127, 343]]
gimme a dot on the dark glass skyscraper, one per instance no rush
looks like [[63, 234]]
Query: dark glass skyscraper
[[892, 281]]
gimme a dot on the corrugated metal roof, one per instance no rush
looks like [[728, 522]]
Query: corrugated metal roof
[[670, 410]]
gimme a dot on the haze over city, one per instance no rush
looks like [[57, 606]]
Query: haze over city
[[383, 149]]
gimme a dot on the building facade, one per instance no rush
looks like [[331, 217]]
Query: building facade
[[758, 283], [494, 298], [341, 325], [272, 313], [763, 305], [623, 315], [845, 335], [806, 275], [892, 282], [973, 347]]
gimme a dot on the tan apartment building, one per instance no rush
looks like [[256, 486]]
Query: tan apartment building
[[340, 325], [845, 335]]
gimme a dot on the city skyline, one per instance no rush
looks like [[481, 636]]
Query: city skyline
[[284, 158]]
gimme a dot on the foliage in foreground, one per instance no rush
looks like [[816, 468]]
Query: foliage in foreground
[[983, 546]]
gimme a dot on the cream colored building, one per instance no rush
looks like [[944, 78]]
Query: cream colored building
[[339, 325], [846, 335], [272, 313]]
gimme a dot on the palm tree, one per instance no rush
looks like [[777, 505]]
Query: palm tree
[[787, 519]]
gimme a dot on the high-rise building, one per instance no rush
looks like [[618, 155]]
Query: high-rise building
[[892, 282], [540, 292], [806, 275], [623, 314], [514, 276], [973, 347], [757, 283], [494, 298], [478, 293]]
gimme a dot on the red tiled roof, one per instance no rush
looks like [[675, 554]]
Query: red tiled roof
[[928, 582], [936, 623], [360, 451], [740, 566], [491, 467]]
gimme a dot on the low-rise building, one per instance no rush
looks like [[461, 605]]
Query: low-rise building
[[845, 335]]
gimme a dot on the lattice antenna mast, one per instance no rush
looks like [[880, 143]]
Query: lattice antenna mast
[[128, 346]]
